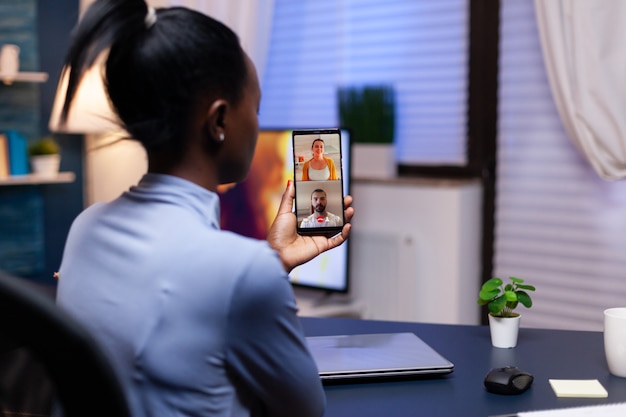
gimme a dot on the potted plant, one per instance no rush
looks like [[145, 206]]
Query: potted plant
[[45, 157], [502, 300], [369, 113]]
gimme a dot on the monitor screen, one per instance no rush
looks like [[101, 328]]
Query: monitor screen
[[249, 207]]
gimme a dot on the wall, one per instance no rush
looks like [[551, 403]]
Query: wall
[[21, 239], [41, 215], [62, 202]]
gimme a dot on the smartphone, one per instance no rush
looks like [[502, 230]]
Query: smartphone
[[318, 180]]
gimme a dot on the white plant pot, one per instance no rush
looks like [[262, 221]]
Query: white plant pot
[[45, 165], [504, 331], [374, 160]]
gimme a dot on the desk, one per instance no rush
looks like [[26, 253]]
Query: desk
[[556, 354]]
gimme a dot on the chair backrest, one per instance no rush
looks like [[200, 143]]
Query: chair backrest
[[81, 374]]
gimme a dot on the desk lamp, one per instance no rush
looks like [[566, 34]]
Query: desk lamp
[[91, 111], [91, 114]]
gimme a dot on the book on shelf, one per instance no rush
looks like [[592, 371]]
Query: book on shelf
[[18, 153], [4, 156]]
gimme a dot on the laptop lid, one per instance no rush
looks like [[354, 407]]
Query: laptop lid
[[375, 355]]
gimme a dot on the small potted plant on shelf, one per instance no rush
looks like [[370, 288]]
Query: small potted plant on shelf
[[502, 300], [369, 113], [45, 157]]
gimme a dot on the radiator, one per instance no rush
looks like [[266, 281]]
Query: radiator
[[415, 250], [384, 274]]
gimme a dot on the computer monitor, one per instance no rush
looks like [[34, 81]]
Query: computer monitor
[[249, 207]]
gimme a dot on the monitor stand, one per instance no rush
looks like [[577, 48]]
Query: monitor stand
[[316, 303]]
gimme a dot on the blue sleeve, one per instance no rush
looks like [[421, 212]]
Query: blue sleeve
[[267, 349]]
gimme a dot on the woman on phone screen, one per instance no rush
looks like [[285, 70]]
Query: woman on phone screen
[[319, 167]]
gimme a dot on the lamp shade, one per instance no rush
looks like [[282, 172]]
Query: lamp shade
[[90, 111]]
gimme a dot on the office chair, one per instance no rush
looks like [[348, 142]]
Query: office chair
[[80, 376]]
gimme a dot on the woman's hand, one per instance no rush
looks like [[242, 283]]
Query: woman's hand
[[295, 249]]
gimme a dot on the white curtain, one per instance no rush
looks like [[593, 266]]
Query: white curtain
[[251, 20], [585, 58]]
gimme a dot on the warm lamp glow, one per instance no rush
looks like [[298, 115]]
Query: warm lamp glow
[[90, 111]]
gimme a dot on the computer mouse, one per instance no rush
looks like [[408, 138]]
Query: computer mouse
[[509, 380]]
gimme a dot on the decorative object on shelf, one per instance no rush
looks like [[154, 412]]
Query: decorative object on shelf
[[4, 157], [10, 67], [502, 300], [13, 154], [369, 113], [18, 153], [45, 157], [9, 61]]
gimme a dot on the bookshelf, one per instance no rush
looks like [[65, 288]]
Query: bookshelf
[[27, 77], [32, 179]]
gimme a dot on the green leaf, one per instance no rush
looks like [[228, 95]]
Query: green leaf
[[524, 299], [45, 146], [488, 294], [493, 282], [516, 280], [369, 111], [510, 296], [526, 287], [492, 285], [497, 305]]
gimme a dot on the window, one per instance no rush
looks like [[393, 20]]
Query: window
[[558, 225], [420, 47]]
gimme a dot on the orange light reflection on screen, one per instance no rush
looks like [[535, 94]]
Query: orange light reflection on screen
[[249, 207]]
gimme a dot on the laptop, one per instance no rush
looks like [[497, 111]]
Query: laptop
[[375, 355]]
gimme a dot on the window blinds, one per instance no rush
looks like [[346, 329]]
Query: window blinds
[[558, 225], [418, 46]]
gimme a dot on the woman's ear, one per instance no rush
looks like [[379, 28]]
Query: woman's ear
[[215, 122]]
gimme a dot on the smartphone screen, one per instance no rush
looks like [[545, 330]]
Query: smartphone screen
[[318, 181]]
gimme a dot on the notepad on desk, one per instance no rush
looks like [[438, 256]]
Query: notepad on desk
[[578, 388]]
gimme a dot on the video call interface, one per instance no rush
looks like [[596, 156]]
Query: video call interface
[[330, 184], [249, 207]]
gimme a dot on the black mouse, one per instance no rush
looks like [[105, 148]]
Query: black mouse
[[509, 380]]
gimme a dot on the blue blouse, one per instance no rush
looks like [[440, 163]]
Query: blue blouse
[[197, 321]]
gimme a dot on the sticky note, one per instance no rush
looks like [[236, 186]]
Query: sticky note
[[578, 388]]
